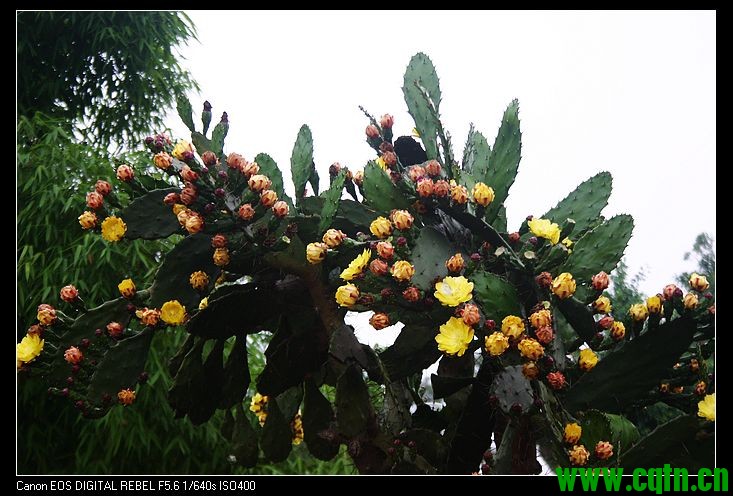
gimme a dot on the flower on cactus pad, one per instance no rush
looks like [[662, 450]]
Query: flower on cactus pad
[[356, 266], [587, 359], [563, 286], [545, 228], [706, 407], [113, 229], [452, 291], [512, 326], [127, 288], [173, 313], [29, 348], [454, 337], [347, 295], [496, 343]]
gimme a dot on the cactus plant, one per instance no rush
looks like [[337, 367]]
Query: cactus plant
[[521, 352]]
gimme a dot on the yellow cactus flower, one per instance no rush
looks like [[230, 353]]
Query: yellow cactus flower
[[88, 219], [572, 433], [113, 229], [563, 286], [496, 343], [483, 194], [512, 326], [567, 243], [541, 318], [347, 295], [578, 455], [690, 301], [356, 266], [587, 359], [706, 407], [182, 146], [654, 304], [531, 348], [698, 282], [381, 227], [402, 271], [544, 228], [602, 304], [173, 313], [127, 288], [316, 252], [29, 348], [333, 238], [204, 303], [199, 280], [454, 337], [381, 163], [452, 291], [638, 312], [618, 330]]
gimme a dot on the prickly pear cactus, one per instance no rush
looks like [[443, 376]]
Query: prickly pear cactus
[[528, 348]]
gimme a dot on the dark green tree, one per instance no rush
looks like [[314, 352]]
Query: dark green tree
[[704, 252]]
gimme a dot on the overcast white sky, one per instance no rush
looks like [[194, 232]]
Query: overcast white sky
[[632, 93]]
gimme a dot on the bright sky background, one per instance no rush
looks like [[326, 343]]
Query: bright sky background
[[632, 93]]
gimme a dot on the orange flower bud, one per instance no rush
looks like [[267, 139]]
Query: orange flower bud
[[698, 282], [385, 250], [280, 209], [209, 158], [235, 161], [73, 355], [669, 291], [94, 200], [470, 314], [188, 174], [316, 252], [530, 370], [172, 199], [459, 194], [455, 263], [268, 198], [416, 173], [618, 331], [333, 238], [402, 271], [425, 187], [604, 450], [544, 335], [390, 159], [378, 267], [88, 220], [556, 380], [541, 318], [359, 178], [199, 280], [690, 301], [46, 314], [69, 293], [600, 281], [258, 183], [372, 131], [103, 187], [126, 397], [219, 241], [386, 121], [221, 257], [189, 194], [433, 168], [411, 294], [441, 188], [544, 280], [148, 316], [125, 173], [162, 160], [379, 321], [401, 219], [115, 329], [249, 169], [579, 455], [246, 212]]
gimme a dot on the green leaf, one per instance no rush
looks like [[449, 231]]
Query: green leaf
[[421, 73], [626, 375], [600, 249], [379, 190], [149, 218], [584, 204], [301, 161], [497, 297], [331, 203], [504, 160], [429, 255]]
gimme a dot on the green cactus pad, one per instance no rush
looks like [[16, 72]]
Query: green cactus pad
[[504, 160], [511, 388], [379, 190], [149, 218], [475, 161], [301, 161], [429, 255], [680, 441], [244, 440], [627, 374], [236, 374], [317, 418], [584, 204], [189, 384], [200, 142], [600, 249], [579, 317], [445, 386], [269, 168], [276, 440], [172, 279], [120, 367], [421, 72], [353, 406], [185, 112], [331, 201], [496, 296], [414, 350], [217, 137]]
